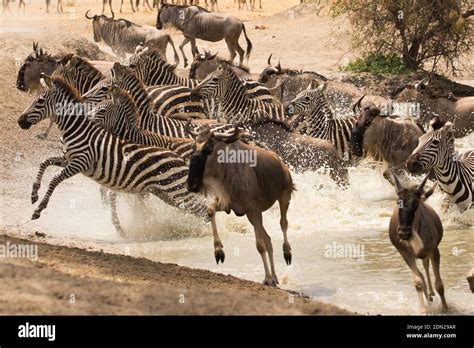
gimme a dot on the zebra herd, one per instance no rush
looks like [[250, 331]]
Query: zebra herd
[[139, 128]]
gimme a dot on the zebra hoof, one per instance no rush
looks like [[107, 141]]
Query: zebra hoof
[[220, 255], [35, 216]]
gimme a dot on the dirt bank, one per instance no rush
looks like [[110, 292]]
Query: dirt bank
[[66, 280]]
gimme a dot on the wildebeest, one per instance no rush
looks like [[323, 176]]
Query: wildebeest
[[391, 140], [454, 172], [459, 111], [206, 63], [341, 95], [124, 36], [197, 23], [416, 231], [246, 187], [40, 61]]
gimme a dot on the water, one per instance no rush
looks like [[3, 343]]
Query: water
[[341, 251]]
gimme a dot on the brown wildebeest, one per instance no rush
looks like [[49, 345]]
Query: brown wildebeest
[[197, 23], [415, 231], [390, 140], [459, 111], [206, 63], [341, 95], [124, 36], [248, 187]]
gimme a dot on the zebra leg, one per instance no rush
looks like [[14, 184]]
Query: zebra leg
[[44, 136], [184, 43], [66, 173], [113, 210], [59, 161]]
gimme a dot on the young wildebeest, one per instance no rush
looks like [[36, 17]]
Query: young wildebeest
[[197, 23], [206, 63], [384, 139], [245, 188], [459, 111], [124, 36], [416, 231]]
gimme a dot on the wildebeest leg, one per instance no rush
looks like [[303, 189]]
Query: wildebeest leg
[[69, 171], [103, 6], [218, 246], [131, 4], [148, 4], [184, 43], [47, 5], [284, 203], [110, 6], [426, 265], [194, 49], [255, 219], [418, 279], [60, 6], [59, 161], [121, 4], [114, 215], [231, 48], [435, 261]]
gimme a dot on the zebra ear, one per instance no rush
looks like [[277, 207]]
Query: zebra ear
[[46, 81], [114, 92], [322, 87]]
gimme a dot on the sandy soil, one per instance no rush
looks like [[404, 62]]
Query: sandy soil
[[68, 280], [103, 283]]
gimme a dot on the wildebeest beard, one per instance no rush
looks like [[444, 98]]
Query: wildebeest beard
[[357, 140], [196, 171]]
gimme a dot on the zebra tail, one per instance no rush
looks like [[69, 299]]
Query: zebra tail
[[249, 43]]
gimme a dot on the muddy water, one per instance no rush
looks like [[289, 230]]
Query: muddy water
[[341, 251]]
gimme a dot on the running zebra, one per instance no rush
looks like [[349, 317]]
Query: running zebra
[[316, 118], [110, 161], [453, 172], [119, 115], [237, 106], [124, 78]]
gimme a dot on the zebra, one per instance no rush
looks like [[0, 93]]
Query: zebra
[[237, 106], [316, 118], [454, 172], [120, 116], [109, 160], [124, 78], [153, 70]]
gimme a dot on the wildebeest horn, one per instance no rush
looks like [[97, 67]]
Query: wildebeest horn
[[269, 61], [398, 185], [357, 105], [229, 138], [419, 189], [88, 16], [279, 66]]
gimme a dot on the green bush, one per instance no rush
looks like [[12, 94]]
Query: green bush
[[377, 64]]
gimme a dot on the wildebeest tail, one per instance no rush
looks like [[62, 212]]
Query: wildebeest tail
[[249, 43]]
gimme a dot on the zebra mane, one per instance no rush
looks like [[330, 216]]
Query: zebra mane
[[154, 53], [62, 83], [126, 99]]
